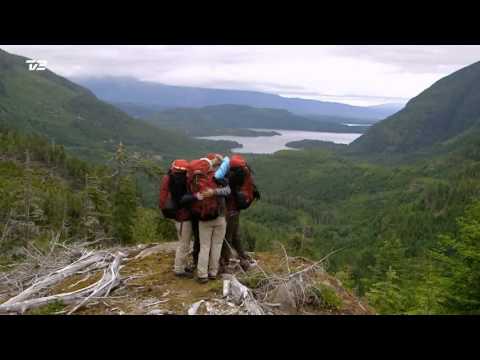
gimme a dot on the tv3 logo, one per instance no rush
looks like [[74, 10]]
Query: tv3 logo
[[36, 65]]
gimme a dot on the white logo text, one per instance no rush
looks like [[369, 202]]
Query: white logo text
[[36, 65]]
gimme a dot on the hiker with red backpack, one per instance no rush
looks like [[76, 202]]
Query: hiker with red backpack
[[210, 210], [221, 166], [174, 203], [243, 193]]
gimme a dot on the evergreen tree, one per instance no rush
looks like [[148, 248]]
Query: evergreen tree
[[125, 209], [428, 294], [96, 208], [386, 296], [460, 255]]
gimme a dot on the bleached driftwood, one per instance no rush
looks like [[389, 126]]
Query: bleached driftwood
[[109, 280], [57, 276], [194, 308], [101, 288]]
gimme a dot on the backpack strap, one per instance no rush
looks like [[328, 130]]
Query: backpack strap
[[209, 162]]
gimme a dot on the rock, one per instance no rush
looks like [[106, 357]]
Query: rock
[[240, 295], [156, 312], [281, 295]]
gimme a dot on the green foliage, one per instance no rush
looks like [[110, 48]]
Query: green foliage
[[345, 276], [385, 215], [252, 280], [166, 229], [460, 256], [327, 296], [44, 192], [145, 228], [316, 144], [50, 309], [248, 238], [125, 209], [386, 296], [429, 294]]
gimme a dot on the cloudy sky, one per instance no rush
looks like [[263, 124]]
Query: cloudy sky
[[357, 74]]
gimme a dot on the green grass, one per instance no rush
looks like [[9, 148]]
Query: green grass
[[49, 309]]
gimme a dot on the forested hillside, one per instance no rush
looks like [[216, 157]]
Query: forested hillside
[[44, 103], [449, 108], [47, 194], [388, 219], [211, 120]]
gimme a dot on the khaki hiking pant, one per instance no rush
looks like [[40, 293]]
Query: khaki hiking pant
[[184, 235], [211, 234]]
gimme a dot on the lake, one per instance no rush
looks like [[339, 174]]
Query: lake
[[271, 144]]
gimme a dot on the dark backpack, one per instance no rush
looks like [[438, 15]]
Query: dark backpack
[[166, 203], [244, 190], [173, 187]]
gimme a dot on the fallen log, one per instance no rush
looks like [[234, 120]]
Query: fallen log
[[101, 288], [57, 276]]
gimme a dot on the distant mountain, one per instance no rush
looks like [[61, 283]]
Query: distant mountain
[[391, 108], [139, 111], [448, 109], [201, 122], [132, 91], [44, 103], [341, 120]]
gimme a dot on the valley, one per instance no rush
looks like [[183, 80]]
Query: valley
[[397, 192]]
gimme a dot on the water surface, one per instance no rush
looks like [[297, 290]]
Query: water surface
[[271, 144]]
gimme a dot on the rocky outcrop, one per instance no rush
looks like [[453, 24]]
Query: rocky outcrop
[[140, 280]]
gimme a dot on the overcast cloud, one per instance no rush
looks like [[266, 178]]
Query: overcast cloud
[[357, 74]]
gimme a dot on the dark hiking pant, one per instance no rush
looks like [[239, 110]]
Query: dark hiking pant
[[232, 240], [196, 241]]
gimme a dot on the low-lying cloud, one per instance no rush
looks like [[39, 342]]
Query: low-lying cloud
[[374, 74]]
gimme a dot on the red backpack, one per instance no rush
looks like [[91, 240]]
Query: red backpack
[[244, 189], [201, 178], [167, 205]]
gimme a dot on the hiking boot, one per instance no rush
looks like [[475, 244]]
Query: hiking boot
[[225, 271], [245, 264], [202, 280], [190, 269], [188, 275], [222, 269]]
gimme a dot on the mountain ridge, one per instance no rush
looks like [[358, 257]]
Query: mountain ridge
[[128, 89], [202, 121], [445, 110], [45, 103]]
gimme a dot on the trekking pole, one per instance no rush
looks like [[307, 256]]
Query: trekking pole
[[231, 249]]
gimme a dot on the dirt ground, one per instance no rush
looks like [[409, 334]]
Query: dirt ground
[[152, 288]]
